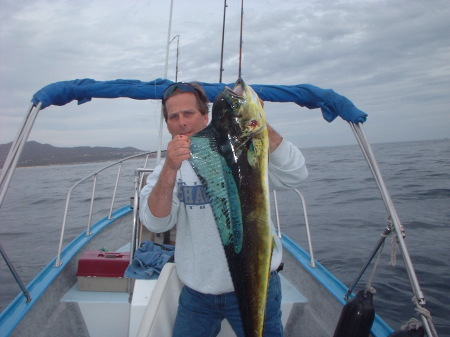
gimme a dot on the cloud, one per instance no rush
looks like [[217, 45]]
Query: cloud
[[389, 57]]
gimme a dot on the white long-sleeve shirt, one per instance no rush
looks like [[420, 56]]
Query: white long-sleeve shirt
[[199, 253]]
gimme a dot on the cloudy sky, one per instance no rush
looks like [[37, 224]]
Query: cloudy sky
[[391, 58]]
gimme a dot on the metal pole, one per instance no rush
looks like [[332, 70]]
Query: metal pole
[[115, 190], [367, 150], [308, 233], [14, 272], [161, 118], [14, 146], [166, 65], [394, 216], [16, 149], [91, 207], [277, 214]]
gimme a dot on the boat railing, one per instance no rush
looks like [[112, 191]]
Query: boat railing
[[395, 226], [139, 177], [94, 177], [305, 215]]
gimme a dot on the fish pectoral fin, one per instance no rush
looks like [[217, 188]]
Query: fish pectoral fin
[[255, 149], [220, 188]]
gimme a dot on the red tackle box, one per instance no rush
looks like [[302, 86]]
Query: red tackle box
[[102, 271]]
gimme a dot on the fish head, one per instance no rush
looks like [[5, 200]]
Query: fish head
[[238, 111]]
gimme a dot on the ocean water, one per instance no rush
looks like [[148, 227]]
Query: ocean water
[[345, 210]]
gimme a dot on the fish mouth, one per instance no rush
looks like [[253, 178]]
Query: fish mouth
[[239, 87], [238, 91]]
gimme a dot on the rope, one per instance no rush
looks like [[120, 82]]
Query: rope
[[385, 234], [412, 324], [425, 313], [394, 243]]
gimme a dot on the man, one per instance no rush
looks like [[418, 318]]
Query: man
[[174, 195]]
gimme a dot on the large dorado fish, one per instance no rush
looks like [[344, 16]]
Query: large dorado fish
[[230, 156]]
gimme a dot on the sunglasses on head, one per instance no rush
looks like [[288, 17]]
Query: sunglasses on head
[[181, 87]]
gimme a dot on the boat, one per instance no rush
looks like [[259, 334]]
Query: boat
[[61, 302]]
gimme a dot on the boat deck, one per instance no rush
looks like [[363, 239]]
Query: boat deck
[[309, 309], [112, 313]]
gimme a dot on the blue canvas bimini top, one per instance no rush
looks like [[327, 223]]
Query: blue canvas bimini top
[[306, 95]]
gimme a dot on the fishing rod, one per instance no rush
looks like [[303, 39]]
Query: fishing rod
[[240, 40], [223, 40]]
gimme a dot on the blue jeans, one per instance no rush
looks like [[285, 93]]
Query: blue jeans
[[201, 314]]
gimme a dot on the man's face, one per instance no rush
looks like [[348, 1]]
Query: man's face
[[183, 115]]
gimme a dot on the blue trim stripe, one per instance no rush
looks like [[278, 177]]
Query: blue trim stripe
[[379, 328], [18, 308]]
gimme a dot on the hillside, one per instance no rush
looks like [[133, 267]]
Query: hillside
[[37, 154]]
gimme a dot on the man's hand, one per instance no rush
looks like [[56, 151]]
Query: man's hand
[[178, 150], [274, 138], [160, 199]]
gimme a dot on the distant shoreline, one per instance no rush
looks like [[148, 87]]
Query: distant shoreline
[[37, 154], [72, 163]]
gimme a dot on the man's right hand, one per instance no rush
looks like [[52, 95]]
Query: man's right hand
[[160, 199], [178, 150]]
